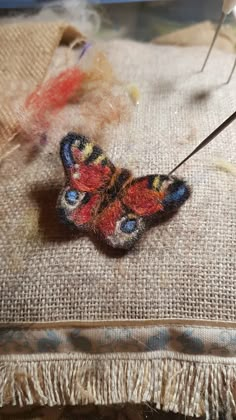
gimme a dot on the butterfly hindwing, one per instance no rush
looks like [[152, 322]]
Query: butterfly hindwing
[[139, 204]]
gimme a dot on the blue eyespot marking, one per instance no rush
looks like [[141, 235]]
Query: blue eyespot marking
[[66, 154], [176, 196], [128, 225], [71, 196]]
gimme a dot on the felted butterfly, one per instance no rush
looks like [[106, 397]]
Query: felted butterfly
[[109, 201]]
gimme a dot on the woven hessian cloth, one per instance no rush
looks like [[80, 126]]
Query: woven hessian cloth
[[182, 269], [26, 52]]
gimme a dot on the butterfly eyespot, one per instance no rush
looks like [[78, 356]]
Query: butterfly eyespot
[[71, 197], [128, 225], [127, 231]]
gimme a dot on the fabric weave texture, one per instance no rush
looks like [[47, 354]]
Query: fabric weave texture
[[184, 268]]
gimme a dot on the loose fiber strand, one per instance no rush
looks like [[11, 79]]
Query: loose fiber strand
[[187, 387]]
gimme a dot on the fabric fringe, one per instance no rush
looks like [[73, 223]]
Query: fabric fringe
[[192, 388]]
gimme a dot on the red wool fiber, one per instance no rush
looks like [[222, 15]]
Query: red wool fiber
[[55, 93]]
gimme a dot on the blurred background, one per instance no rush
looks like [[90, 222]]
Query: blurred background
[[141, 20]]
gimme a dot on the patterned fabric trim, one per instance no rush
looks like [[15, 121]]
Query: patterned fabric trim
[[189, 340]]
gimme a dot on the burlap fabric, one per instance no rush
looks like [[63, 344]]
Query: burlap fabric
[[105, 349], [26, 52], [200, 34], [182, 269]]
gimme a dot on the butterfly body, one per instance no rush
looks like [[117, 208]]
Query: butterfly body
[[109, 201]]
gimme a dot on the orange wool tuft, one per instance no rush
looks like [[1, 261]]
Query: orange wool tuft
[[84, 99], [36, 116], [98, 72], [56, 92]]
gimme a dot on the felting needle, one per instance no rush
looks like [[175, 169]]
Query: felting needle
[[232, 72], [207, 140], [227, 8]]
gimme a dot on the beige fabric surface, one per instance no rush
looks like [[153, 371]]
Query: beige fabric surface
[[182, 269], [200, 34], [26, 52]]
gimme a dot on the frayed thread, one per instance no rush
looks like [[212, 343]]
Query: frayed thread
[[192, 388]]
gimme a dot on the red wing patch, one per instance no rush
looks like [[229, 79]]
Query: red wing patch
[[89, 177], [108, 218], [85, 213], [142, 200]]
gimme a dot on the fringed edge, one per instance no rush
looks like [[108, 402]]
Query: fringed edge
[[190, 387]]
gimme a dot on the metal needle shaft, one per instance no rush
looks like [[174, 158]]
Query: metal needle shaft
[[207, 140], [223, 16], [232, 71]]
